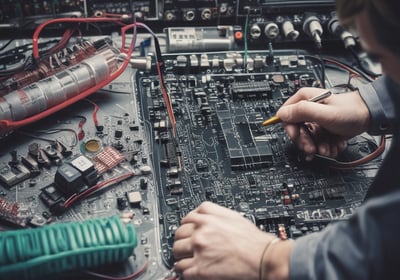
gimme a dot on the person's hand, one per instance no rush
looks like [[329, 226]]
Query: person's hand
[[325, 126], [214, 242]]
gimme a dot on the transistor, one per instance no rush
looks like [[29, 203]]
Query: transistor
[[122, 203], [11, 175]]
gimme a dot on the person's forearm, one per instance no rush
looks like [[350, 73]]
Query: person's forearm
[[275, 263]]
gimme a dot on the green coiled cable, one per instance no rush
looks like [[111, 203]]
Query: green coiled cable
[[34, 253]]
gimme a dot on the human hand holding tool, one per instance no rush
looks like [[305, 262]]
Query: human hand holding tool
[[276, 119], [324, 125]]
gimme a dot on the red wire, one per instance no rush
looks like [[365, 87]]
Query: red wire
[[163, 89], [8, 125], [351, 164], [64, 40], [341, 65], [94, 115], [81, 133], [116, 15], [347, 68], [35, 39], [96, 187], [367, 158], [167, 100]]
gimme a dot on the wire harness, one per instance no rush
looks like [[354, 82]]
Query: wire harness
[[39, 252]]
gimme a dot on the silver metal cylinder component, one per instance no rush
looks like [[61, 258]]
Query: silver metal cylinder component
[[26, 101], [206, 14], [53, 90], [271, 30], [255, 31], [5, 110], [68, 82], [313, 28], [289, 32], [142, 63]]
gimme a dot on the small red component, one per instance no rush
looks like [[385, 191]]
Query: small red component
[[107, 159]]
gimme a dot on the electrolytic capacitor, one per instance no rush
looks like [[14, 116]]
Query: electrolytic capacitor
[[53, 90]]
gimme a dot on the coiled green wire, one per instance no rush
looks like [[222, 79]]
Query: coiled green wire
[[34, 253]]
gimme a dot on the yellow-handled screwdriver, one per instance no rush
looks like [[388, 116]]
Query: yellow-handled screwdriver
[[276, 119]]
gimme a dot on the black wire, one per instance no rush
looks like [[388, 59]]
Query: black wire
[[21, 50], [32, 135], [158, 52], [322, 66], [97, 27], [346, 86], [361, 65], [6, 45], [358, 71]]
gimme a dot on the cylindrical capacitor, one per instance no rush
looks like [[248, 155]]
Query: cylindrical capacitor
[[51, 91]]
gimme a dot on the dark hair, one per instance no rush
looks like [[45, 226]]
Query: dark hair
[[383, 14], [348, 9]]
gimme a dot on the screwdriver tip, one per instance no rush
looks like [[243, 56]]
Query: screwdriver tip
[[274, 119]]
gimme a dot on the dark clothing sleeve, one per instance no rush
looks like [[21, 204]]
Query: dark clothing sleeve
[[367, 246], [383, 100], [380, 97]]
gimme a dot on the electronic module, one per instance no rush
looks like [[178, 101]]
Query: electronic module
[[150, 149], [110, 132]]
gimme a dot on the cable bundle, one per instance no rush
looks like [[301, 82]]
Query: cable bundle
[[34, 253]]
